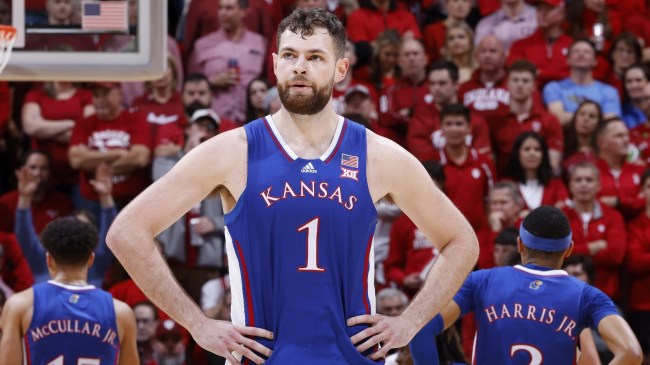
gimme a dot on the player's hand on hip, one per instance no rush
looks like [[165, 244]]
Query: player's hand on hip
[[223, 338], [390, 332]]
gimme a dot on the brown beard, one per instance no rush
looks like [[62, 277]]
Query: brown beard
[[305, 104]]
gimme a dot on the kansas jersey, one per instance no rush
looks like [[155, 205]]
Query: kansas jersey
[[71, 325], [529, 314], [300, 249]]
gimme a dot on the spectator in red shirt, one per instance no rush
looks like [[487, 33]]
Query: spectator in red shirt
[[410, 252], [598, 230], [376, 16], [47, 203], [526, 114], [580, 139], [620, 180], [548, 47], [529, 166], [162, 108], [637, 264], [468, 174], [640, 135], [424, 137], [459, 48], [114, 136], [592, 19], [486, 92], [435, 34], [383, 65], [48, 115], [14, 269], [397, 102], [196, 95]]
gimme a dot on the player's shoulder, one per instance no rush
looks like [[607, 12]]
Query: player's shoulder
[[227, 143], [19, 303], [382, 147], [122, 310]]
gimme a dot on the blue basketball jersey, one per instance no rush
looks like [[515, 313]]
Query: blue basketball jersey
[[70, 326], [300, 249], [529, 314]]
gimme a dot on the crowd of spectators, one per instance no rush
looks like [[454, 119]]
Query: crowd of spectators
[[509, 104]]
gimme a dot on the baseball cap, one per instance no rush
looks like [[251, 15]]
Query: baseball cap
[[549, 2], [357, 89], [206, 114], [168, 329]]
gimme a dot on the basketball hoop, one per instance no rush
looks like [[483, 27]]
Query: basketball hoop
[[7, 37]]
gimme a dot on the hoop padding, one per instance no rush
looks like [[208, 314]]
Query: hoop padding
[[7, 38]]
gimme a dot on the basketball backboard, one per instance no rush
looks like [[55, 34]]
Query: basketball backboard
[[89, 40]]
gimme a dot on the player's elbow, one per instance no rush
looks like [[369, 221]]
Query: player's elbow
[[116, 238], [632, 354], [472, 248]]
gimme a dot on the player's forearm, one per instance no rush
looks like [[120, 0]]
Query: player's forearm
[[453, 264], [136, 251]]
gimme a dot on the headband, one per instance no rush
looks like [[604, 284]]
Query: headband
[[544, 244]]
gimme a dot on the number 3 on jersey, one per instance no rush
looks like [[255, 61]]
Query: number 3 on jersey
[[535, 355], [312, 245]]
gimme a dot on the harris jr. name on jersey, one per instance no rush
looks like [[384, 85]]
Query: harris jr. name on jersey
[[74, 326]]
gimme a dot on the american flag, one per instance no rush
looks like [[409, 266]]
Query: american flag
[[104, 15], [350, 161]]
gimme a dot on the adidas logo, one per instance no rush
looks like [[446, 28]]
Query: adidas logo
[[309, 169]]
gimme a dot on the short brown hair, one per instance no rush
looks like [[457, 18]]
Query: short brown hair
[[305, 21], [523, 66]]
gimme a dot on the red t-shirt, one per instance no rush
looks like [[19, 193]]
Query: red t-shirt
[[54, 110], [505, 132], [605, 224], [433, 37], [638, 263], [409, 252], [120, 133], [15, 269], [467, 185], [53, 205], [128, 292], [364, 24], [424, 137], [627, 187], [550, 59], [640, 137], [402, 96], [491, 101], [166, 121]]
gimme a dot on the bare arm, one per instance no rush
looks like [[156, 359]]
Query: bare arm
[[556, 108], [11, 327], [85, 159], [126, 329], [217, 162], [620, 339], [38, 127], [588, 351], [135, 158], [394, 172]]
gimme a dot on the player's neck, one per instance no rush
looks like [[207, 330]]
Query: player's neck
[[552, 264], [307, 135], [71, 276]]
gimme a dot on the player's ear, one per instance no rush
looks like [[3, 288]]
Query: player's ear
[[568, 251], [342, 67], [50, 261], [91, 260], [520, 245]]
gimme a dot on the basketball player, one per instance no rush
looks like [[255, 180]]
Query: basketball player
[[534, 312], [299, 188], [65, 321]]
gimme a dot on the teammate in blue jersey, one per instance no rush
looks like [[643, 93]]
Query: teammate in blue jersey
[[533, 313], [299, 189], [65, 321]]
